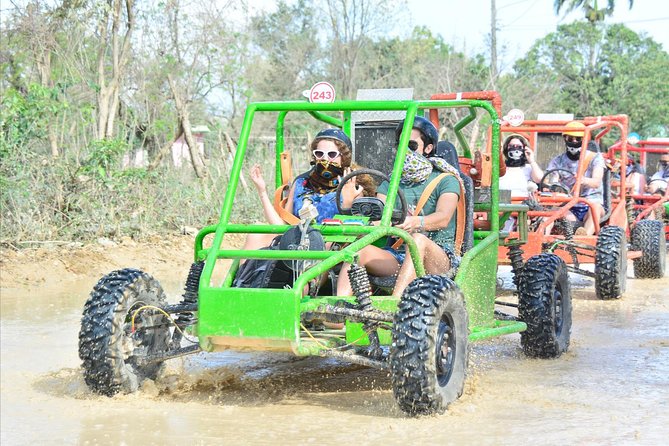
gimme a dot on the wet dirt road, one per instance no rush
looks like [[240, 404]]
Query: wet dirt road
[[612, 387]]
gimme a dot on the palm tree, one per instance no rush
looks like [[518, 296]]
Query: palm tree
[[592, 12]]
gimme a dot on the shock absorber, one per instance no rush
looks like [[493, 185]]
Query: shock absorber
[[190, 295], [192, 283], [629, 209], [515, 255], [568, 231], [362, 290]]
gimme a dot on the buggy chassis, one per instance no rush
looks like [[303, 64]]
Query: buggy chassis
[[281, 331], [647, 205]]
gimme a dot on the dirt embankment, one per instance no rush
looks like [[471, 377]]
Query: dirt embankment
[[65, 266]]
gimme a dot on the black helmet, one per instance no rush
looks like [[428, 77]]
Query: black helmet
[[336, 134], [429, 131]]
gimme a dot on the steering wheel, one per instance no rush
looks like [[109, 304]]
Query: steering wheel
[[371, 207], [556, 187]]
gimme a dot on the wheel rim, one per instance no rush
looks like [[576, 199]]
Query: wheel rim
[[558, 309], [142, 341], [445, 349]]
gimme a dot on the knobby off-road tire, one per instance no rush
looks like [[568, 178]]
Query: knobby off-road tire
[[610, 263], [429, 352], [544, 304], [111, 354], [648, 237]]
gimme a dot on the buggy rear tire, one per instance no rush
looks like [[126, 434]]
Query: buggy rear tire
[[111, 353], [429, 352], [648, 237], [544, 304], [611, 263]]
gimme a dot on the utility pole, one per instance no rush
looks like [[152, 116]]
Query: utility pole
[[493, 43]]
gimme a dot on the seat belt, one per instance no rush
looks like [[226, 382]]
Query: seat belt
[[279, 200], [589, 156]]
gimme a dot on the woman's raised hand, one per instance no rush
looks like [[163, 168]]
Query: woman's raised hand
[[258, 179], [529, 154]]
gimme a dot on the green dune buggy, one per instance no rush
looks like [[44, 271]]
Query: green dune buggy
[[422, 338]]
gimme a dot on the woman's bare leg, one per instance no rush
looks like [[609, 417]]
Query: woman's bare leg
[[257, 241], [588, 223]]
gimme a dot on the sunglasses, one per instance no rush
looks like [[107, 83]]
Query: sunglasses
[[574, 138], [515, 147], [322, 154]]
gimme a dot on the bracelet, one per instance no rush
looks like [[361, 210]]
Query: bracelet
[[422, 221]]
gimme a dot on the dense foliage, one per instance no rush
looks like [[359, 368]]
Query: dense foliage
[[602, 70], [84, 84]]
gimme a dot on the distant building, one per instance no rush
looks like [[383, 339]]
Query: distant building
[[180, 153], [137, 158]]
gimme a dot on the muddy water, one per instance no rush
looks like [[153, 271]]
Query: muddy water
[[612, 387]]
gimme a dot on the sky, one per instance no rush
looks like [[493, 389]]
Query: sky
[[465, 24]]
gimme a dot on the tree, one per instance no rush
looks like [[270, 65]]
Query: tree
[[601, 70], [590, 8], [116, 23], [36, 33], [193, 55], [353, 26], [288, 53]]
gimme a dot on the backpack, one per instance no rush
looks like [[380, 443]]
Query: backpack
[[263, 273]]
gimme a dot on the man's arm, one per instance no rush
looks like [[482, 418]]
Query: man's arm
[[597, 173], [596, 180], [447, 203]]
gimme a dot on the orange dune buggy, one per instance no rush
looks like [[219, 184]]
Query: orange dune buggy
[[617, 236]]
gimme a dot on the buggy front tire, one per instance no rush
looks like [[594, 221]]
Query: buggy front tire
[[429, 352], [648, 237], [112, 353], [544, 304], [611, 263]]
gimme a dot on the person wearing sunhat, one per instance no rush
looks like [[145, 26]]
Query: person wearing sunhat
[[521, 166], [591, 182]]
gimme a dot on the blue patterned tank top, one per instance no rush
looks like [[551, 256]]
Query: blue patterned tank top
[[325, 203]]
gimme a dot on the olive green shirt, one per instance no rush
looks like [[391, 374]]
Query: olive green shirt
[[412, 193]]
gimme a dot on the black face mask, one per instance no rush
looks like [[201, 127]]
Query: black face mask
[[324, 176], [515, 157], [573, 149]]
